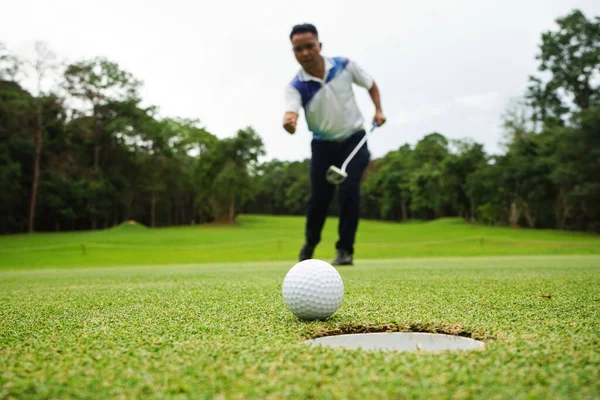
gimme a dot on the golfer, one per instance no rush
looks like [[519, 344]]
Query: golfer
[[323, 88]]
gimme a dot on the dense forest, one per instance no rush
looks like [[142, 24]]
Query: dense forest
[[84, 154]]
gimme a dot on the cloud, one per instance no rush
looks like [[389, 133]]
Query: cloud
[[482, 101], [421, 113]]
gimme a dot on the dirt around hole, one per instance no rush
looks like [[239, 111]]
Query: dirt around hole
[[455, 330]]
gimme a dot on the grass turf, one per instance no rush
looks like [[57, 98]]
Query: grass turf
[[222, 330], [267, 238]]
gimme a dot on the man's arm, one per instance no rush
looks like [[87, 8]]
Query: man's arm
[[361, 78], [289, 121], [379, 118], [293, 102]]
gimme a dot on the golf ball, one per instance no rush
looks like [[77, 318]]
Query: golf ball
[[313, 289]]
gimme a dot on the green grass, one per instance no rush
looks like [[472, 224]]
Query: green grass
[[262, 238], [221, 330]]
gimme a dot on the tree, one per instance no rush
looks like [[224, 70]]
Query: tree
[[293, 194], [433, 149], [97, 83], [573, 155], [237, 162], [466, 158], [387, 185], [428, 198], [10, 65], [562, 99], [486, 190], [192, 145], [571, 58], [43, 64]]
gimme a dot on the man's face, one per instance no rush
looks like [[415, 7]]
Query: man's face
[[307, 49]]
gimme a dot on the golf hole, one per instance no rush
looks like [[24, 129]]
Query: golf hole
[[398, 341]]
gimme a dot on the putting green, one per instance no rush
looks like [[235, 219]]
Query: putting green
[[222, 331]]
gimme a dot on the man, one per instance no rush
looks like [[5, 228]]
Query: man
[[323, 88]]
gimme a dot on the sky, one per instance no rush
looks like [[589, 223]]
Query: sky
[[451, 67]]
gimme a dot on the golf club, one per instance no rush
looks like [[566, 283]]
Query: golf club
[[337, 175]]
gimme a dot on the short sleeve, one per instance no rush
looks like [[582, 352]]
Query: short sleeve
[[359, 76], [293, 100]]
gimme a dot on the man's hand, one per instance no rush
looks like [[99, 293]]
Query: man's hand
[[289, 121], [379, 118]]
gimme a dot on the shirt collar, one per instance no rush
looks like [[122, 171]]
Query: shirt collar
[[305, 76]]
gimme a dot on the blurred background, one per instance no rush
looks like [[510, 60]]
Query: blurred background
[[170, 113]]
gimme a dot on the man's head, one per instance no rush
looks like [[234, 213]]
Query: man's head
[[306, 45]]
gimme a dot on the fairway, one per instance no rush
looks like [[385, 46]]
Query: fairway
[[220, 329], [274, 238]]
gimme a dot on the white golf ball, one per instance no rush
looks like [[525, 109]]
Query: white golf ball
[[313, 289]]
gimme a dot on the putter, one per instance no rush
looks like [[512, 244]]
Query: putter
[[337, 175]]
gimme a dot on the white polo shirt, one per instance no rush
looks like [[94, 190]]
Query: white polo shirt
[[329, 105]]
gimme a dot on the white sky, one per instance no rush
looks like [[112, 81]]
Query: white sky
[[445, 66]]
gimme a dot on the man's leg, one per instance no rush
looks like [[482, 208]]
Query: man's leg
[[321, 192], [349, 194]]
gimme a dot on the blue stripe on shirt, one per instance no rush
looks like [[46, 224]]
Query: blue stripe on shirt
[[307, 89], [339, 64]]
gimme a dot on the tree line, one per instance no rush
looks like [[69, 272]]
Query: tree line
[[85, 154]]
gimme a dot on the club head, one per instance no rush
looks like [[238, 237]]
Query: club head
[[335, 175]]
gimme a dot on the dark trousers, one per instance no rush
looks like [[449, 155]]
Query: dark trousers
[[325, 154]]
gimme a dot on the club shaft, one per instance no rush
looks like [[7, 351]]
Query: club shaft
[[358, 146]]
